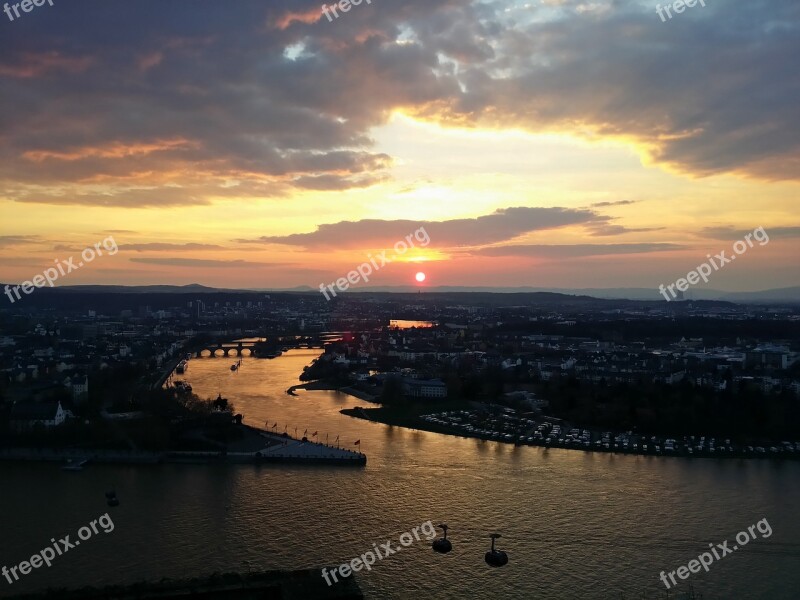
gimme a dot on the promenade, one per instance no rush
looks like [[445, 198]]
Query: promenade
[[257, 446]]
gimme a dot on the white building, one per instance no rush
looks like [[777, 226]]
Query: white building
[[420, 388], [27, 416]]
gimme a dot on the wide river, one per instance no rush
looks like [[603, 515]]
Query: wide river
[[574, 524]]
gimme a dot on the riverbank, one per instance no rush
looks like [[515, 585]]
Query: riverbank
[[287, 585], [312, 385], [326, 385], [168, 370], [409, 416], [254, 447], [508, 427]]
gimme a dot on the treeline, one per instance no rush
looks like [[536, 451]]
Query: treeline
[[680, 409], [712, 330]]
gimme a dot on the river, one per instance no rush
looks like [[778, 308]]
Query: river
[[574, 524]]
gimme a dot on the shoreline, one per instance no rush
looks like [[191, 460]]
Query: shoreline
[[379, 415], [320, 384], [273, 449]]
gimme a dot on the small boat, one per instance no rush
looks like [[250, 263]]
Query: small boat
[[234, 367]]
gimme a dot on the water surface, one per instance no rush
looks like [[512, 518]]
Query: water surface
[[575, 525]]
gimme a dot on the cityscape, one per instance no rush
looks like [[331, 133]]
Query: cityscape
[[397, 300]]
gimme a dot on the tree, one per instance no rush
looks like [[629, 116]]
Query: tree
[[392, 392], [221, 403]]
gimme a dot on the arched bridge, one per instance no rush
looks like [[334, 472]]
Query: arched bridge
[[265, 345], [226, 348]]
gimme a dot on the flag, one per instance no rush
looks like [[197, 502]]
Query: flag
[[275, 424], [314, 434], [357, 443]]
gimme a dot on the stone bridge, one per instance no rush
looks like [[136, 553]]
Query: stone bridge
[[216, 349]]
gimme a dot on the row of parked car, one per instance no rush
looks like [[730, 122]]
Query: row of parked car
[[509, 426]]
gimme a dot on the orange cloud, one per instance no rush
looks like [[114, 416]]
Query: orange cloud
[[308, 17], [112, 150]]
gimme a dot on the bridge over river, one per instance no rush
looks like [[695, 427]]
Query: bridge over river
[[262, 346]]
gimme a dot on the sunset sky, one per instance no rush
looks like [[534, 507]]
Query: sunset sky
[[255, 144]]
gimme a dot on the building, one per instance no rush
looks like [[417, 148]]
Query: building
[[768, 356], [419, 388], [27, 416], [79, 386]]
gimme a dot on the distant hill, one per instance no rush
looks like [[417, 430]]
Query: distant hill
[[192, 288], [782, 295], [788, 295]]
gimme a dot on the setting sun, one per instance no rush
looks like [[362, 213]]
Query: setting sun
[[420, 276]]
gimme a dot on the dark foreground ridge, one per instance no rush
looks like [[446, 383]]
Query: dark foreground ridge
[[304, 584]]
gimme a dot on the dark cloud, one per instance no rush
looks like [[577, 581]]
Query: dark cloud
[[183, 101], [333, 182], [18, 240], [731, 233], [707, 93], [608, 229], [614, 203], [574, 250], [502, 225]]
